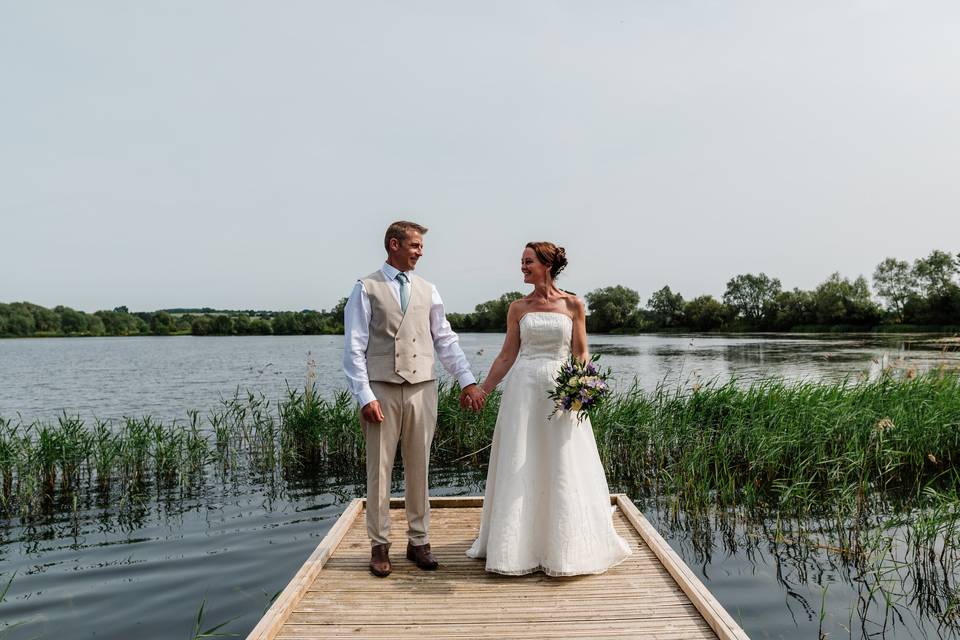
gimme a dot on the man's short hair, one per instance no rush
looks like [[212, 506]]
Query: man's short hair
[[399, 230]]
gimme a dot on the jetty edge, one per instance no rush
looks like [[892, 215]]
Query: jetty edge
[[653, 594]]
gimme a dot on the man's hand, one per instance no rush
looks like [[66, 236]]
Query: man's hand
[[473, 397], [371, 412]]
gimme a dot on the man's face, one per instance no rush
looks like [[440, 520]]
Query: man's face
[[405, 253]]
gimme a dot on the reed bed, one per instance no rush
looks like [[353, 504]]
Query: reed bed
[[798, 447]]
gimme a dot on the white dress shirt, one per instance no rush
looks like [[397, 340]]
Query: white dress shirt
[[356, 329]]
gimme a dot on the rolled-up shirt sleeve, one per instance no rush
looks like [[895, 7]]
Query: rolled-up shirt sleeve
[[356, 333], [447, 344]]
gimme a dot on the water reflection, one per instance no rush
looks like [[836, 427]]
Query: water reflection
[[140, 567], [795, 580], [606, 349]]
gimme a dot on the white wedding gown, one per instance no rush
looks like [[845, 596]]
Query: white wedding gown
[[547, 505]]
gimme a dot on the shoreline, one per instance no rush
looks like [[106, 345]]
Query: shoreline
[[939, 335]]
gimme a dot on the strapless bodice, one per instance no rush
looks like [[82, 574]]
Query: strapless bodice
[[545, 335]]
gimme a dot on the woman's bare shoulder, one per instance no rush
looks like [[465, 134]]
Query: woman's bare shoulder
[[574, 304], [518, 306]]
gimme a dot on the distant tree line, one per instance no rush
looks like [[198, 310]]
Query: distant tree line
[[922, 295], [24, 319], [490, 316]]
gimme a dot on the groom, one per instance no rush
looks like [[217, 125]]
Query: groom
[[393, 324]]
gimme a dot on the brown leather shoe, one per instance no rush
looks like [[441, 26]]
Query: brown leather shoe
[[421, 556], [380, 560]]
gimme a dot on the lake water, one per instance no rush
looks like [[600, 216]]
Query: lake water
[[164, 377], [105, 570]]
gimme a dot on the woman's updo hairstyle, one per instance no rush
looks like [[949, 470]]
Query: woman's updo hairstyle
[[550, 255]]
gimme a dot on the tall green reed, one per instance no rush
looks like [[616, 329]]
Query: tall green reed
[[798, 447], [789, 446]]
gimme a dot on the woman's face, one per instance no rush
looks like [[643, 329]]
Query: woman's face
[[533, 270]]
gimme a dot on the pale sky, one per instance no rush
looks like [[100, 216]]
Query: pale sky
[[250, 154]]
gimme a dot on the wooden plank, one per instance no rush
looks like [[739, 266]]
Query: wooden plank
[[349, 614], [633, 628], [507, 598], [442, 502], [640, 598], [713, 612], [281, 608]]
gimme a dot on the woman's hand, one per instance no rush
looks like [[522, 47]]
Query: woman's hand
[[473, 397]]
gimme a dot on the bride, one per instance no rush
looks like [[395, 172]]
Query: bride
[[547, 505]]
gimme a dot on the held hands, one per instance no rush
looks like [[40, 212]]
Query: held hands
[[473, 397]]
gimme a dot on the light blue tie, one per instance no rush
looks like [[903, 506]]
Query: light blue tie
[[404, 291]]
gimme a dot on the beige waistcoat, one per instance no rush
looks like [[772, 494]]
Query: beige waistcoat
[[400, 347]]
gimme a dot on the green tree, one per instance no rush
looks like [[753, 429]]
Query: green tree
[[793, 309], [141, 326], [667, 307], [752, 296], [337, 313], [93, 325], [705, 313], [162, 323], [492, 314], [639, 320], [261, 327], [837, 300], [313, 322], [201, 326], [287, 323], [944, 307], [118, 324], [46, 320], [20, 323], [459, 321], [895, 282], [16, 320], [72, 322], [611, 308], [241, 324], [222, 325], [934, 274]]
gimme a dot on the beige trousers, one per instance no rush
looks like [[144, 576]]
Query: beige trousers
[[410, 419]]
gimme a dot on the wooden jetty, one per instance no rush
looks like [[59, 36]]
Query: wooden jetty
[[653, 594]]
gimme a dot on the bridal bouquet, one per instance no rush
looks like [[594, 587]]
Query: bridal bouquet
[[581, 387]]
